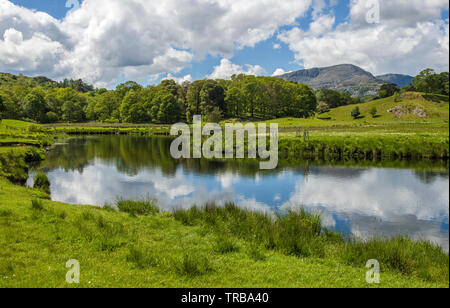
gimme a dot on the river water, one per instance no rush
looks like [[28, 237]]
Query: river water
[[355, 200]]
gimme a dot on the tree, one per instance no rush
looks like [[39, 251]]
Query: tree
[[132, 109], [211, 96], [323, 107], [387, 90], [373, 112], [430, 82], [124, 88], [356, 113], [169, 110], [396, 97], [193, 99], [34, 106]]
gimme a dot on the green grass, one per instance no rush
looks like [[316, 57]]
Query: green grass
[[143, 207], [118, 250]]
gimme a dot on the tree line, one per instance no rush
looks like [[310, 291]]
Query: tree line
[[243, 97]]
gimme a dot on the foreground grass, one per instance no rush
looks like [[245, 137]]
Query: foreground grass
[[117, 249]]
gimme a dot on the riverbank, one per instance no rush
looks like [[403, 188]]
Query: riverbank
[[144, 248], [373, 142]]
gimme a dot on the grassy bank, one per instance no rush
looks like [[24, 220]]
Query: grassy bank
[[142, 247]]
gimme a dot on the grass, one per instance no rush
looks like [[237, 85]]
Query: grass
[[143, 207], [300, 234], [117, 250]]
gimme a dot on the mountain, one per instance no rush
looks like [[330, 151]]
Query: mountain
[[344, 77], [398, 79]]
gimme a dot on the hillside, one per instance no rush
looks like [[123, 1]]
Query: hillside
[[344, 77], [412, 106]]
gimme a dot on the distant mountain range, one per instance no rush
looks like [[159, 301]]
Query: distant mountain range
[[345, 77], [398, 79]]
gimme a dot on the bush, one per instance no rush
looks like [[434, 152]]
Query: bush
[[373, 112], [42, 182]]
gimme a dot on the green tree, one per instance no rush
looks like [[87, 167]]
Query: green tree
[[356, 113], [373, 111], [193, 99], [169, 111], [212, 95], [34, 106], [132, 108], [387, 90], [429, 82]]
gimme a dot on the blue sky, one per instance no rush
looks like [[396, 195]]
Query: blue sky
[[319, 33]]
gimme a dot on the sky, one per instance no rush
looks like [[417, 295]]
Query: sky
[[106, 42]]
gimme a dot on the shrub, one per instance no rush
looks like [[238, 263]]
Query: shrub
[[42, 182], [373, 112]]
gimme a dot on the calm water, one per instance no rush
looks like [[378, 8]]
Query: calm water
[[362, 201]]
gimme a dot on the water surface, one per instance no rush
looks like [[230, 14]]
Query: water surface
[[360, 201]]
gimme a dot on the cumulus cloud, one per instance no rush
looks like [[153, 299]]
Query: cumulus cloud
[[226, 69], [103, 40], [410, 36], [178, 80], [279, 72]]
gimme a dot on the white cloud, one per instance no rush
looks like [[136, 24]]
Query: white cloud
[[322, 24], [178, 80], [279, 72], [410, 37], [399, 12], [103, 40], [276, 46], [226, 69]]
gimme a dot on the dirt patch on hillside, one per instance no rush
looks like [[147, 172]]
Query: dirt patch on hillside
[[404, 110]]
